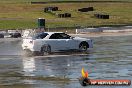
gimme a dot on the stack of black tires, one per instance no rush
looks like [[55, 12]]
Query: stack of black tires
[[47, 9], [64, 15], [1, 35], [101, 16], [86, 9], [15, 35]]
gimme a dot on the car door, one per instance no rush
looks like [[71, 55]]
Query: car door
[[71, 44], [56, 42], [68, 41]]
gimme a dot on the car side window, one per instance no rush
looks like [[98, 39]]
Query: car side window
[[59, 36], [54, 36], [64, 36], [41, 35]]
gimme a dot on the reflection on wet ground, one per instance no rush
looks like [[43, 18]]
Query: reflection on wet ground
[[10, 46], [111, 58]]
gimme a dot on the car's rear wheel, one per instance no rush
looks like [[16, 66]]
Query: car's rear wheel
[[45, 50], [83, 46]]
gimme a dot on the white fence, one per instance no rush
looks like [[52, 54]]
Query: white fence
[[105, 29]]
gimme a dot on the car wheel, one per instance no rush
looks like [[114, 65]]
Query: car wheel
[[45, 50], [83, 46]]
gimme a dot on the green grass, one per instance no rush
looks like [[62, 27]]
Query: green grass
[[54, 0], [17, 15], [16, 24]]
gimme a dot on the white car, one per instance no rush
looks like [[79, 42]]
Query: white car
[[47, 42]]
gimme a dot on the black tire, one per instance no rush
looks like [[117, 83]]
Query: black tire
[[45, 50], [15, 35], [84, 81], [83, 46], [1, 36]]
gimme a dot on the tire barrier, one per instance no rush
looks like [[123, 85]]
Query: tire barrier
[[47, 9], [101, 16], [86, 9], [51, 9], [88, 30], [65, 15], [1, 35]]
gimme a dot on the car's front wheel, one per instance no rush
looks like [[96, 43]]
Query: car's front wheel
[[45, 50], [83, 46]]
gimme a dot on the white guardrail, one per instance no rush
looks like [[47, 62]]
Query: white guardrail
[[105, 29]]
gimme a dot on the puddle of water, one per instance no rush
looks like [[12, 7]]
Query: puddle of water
[[109, 59], [10, 46]]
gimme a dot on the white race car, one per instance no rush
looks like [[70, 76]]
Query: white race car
[[47, 42]]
